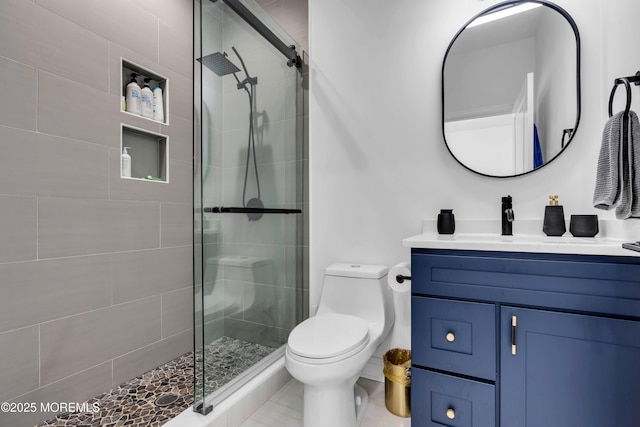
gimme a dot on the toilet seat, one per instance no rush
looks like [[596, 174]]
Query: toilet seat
[[328, 337]]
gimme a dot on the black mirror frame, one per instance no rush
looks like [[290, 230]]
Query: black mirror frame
[[576, 33]]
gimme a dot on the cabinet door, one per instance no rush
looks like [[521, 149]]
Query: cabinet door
[[569, 370]]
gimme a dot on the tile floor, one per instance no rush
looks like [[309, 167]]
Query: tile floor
[[284, 409], [132, 404]]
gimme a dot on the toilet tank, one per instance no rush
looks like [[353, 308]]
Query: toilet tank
[[359, 290]]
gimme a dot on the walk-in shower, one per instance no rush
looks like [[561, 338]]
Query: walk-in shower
[[249, 195]]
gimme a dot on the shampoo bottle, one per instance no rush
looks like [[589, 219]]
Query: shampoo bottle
[[554, 218], [158, 108], [146, 104], [133, 95], [126, 163]]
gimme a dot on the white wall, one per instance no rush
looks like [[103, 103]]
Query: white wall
[[378, 162]]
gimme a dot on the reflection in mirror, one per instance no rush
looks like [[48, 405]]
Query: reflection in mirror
[[511, 88]]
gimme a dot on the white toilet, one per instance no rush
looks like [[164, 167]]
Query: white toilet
[[328, 352]]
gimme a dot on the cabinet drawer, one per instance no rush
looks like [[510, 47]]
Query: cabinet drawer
[[454, 336], [443, 400]]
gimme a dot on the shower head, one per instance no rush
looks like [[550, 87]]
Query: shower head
[[219, 64]]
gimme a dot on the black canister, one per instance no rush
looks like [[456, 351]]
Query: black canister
[[446, 222]]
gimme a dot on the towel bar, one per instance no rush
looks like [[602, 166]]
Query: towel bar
[[623, 80]]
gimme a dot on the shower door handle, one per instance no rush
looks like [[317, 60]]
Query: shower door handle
[[244, 210]]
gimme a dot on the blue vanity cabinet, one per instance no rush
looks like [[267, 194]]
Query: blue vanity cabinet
[[569, 370], [547, 340]]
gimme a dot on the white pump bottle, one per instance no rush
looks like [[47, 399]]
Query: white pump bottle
[[146, 105], [133, 95], [126, 163], [158, 108]]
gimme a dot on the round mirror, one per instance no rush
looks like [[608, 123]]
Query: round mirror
[[511, 88]]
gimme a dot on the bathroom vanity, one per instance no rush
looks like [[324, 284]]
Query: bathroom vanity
[[513, 332]]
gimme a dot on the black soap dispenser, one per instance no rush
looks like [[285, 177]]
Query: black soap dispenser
[[554, 218], [446, 222]]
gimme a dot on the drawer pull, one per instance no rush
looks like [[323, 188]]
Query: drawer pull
[[514, 324], [450, 337], [451, 414]]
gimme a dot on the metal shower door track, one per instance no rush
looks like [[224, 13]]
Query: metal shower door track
[[256, 24]]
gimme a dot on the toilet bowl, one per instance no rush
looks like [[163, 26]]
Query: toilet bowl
[[328, 352]]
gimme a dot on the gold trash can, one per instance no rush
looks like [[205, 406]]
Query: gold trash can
[[397, 381]]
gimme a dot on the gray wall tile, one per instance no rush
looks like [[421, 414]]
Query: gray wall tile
[[77, 388], [177, 190], [38, 291], [176, 50], [180, 133], [140, 361], [19, 368], [60, 76], [74, 110], [79, 342], [80, 227], [44, 40], [46, 165], [117, 20], [141, 274], [177, 227], [181, 106], [18, 228], [175, 13], [176, 311], [18, 86]]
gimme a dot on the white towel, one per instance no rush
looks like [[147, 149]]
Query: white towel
[[618, 174]]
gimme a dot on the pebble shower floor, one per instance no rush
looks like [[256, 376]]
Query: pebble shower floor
[[132, 403]]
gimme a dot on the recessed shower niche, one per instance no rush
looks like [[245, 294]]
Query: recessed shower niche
[[159, 100], [149, 153]]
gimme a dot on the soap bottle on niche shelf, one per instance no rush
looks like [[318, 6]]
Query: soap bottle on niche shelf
[[132, 95], [158, 108], [554, 218], [146, 100], [126, 163]]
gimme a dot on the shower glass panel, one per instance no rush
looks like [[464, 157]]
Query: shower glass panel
[[249, 189]]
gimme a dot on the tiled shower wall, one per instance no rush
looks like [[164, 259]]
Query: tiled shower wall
[[95, 270]]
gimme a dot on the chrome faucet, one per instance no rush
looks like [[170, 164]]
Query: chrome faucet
[[507, 216]]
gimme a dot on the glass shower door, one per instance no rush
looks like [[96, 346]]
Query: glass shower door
[[249, 188]]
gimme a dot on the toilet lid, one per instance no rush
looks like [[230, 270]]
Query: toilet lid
[[328, 335]]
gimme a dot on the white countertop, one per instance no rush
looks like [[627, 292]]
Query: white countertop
[[519, 242]]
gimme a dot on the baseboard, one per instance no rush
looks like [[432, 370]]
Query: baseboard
[[373, 370]]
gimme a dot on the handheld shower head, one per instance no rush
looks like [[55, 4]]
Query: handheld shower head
[[251, 80]]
